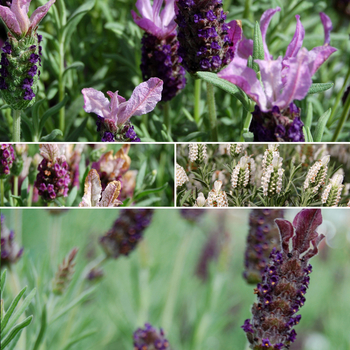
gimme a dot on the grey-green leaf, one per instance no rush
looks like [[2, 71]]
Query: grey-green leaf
[[53, 134], [316, 88], [258, 47], [14, 331], [321, 125]]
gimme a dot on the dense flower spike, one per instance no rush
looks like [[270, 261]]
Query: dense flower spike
[[234, 149], [276, 118], [64, 273], [20, 59], [207, 43], [217, 197], [149, 338], [242, 173], [160, 45], [262, 238], [53, 178], [271, 180], [192, 215], [114, 116], [181, 176], [7, 157], [284, 283], [10, 251], [197, 152], [332, 193], [126, 232], [316, 176]]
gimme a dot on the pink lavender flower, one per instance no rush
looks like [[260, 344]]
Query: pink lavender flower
[[149, 338], [207, 43], [126, 232], [21, 59], [53, 178], [114, 115], [7, 157], [160, 45], [10, 251], [276, 118], [284, 283]]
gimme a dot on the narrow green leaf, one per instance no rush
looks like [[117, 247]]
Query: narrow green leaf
[[11, 309], [28, 122], [248, 137], [76, 133], [19, 311], [5, 106], [50, 112], [258, 47], [14, 331], [316, 88], [147, 202], [79, 338], [71, 197], [151, 191], [309, 115], [226, 86], [24, 188], [75, 65], [3, 281], [195, 135], [250, 62], [35, 115], [141, 175], [42, 331], [185, 197], [53, 134], [321, 125]]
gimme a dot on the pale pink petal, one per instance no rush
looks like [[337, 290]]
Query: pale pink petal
[[297, 41], [298, 80], [50, 151], [245, 48], [96, 102], [20, 9], [264, 24], [10, 20], [271, 78], [110, 195], [245, 78], [318, 55], [147, 25], [327, 26], [168, 14], [145, 8], [157, 5], [143, 100], [116, 100], [39, 14], [92, 190]]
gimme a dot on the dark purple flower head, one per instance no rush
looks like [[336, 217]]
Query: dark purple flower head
[[10, 251], [126, 232], [148, 338], [273, 315], [7, 157], [206, 42]]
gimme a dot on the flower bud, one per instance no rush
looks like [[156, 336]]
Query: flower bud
[[217, 197], [7, 157], [181, 176], [149, 338]]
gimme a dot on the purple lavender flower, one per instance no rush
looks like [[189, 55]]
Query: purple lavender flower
[[113, 116], [160, 46], [7, 157], [53, 178], [10, 251], [284, 283], [149, 338], [192, 215], [286, 79], [126, 232], [207, 43], [263, 237]]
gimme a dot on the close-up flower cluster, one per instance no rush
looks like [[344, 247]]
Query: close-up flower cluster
[[159, 279], [86, 175], [252, 175], [174, 70]]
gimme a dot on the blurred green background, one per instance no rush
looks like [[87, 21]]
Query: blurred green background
[[157, 283]]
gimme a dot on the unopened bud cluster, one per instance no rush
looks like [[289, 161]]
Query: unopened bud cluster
[[315, 178], [7, 157], [148, 338]]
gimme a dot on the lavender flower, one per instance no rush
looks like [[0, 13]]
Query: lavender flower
[[284, 283], [149, 338], [160, 45], [207, 43], [217, 197], [10, 251], [332, 193], [53, 178], [192, 215], [21, 59], [262, 238], [276, 118], [197, 152], [181, 177], [126, 232], [113, 116], [64, 273], [7, 157]]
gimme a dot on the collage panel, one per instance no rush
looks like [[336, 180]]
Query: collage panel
[[262, 175], [175, 279], [87, 175]]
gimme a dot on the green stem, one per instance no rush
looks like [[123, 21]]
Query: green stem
[[344, 116], [247, 13], [212, 112], [197, 100], [30, 198], [55, 230], [16, 136], [61, 88], [2, 190], [15, 185], [166, 111]]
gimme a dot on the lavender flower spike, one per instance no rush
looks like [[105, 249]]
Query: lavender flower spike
[[284, 283], [276, 118], [113, 116], [160, 45], [149, 338]]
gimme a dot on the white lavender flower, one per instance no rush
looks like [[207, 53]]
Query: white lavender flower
[[181, 176], [234, 149], [217, 197], [269, 153], [197, 152], [317, 174], [200, 201], [193, 151], [332, 192], [241, 174], [271, 180]]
